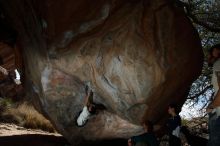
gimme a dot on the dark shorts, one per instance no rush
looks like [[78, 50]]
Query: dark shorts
[[214, 130], [174, 141]]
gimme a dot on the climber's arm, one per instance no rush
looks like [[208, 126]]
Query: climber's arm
[[86, 100]]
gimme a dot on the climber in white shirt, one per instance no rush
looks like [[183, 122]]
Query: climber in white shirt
[[88, 109]]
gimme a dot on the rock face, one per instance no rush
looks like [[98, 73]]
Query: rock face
[[138, 56], [10, 59]]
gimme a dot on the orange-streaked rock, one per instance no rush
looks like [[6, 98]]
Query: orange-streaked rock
[[138, 56]]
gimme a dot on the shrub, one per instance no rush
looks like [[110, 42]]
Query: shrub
[[5, 103], [24, 115]]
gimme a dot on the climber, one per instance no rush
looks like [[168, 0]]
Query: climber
[[88, 109], [174, 125], [146, 139], [213, 108]]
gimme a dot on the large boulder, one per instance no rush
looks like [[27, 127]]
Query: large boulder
[[10, 59], [137, 55]]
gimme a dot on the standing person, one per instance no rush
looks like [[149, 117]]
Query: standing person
[[213, 109], [147, 138], [174, 124]]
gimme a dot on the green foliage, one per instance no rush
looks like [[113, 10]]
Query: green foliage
[[5, 103], [185, 122]]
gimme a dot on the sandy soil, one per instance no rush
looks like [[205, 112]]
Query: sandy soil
[[13, 135], [12, 129]]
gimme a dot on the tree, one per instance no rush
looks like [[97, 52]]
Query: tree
[[205, 16]]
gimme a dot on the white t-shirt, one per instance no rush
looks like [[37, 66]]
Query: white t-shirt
[[176, 132], [216, 68], [83, 117]]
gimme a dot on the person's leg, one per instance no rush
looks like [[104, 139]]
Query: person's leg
[[210, 128], [174, 141], [214, 136]]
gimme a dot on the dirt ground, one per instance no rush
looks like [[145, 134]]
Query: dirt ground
[[13, 135]]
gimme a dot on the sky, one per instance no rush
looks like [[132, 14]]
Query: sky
[[189, 112]]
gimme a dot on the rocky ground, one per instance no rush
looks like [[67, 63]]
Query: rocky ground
[[7, 129], [13, 135]]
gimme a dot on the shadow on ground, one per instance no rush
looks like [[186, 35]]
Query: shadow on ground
[[51, 140], [33, 140], [110, 142]]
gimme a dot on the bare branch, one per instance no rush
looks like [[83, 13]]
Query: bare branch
[[200, 93], [194, 19]]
